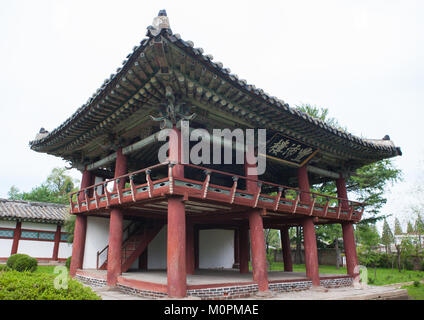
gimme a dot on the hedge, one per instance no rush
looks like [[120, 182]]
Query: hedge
[[22, 262], [16, 285]]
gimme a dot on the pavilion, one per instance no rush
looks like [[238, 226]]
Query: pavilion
[[134, 212]]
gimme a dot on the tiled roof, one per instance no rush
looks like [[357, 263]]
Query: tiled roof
[[117, 98], [33, 211]]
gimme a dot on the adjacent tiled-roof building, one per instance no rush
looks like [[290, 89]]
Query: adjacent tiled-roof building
[[33, 211]]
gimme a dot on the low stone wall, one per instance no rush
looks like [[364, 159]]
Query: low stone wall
[[140, 292], [91, 281], [224, 292], [220, 293]]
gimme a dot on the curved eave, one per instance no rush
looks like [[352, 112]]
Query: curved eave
[[287, 120]]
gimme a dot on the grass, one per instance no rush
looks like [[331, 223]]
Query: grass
[[382, 277], [416, 292]]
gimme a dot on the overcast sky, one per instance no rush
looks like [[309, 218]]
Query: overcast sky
[[363, 60]]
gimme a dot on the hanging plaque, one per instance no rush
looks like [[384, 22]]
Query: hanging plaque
[[288, 150]]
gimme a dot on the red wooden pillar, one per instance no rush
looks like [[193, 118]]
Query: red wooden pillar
[[309, 237], [190, 263], [176, 254], [286, 249], [350, 247], [114, 259], [236, 264], [244, 249], [259, 264], [348, 232], [342, 192], [303, 181], [143, 260], [78, 245], [311, 253], [16, 237], [56, 243]]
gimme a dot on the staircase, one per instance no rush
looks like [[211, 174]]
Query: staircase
[[136, 242]]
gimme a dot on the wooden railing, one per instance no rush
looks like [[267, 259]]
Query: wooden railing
[[268, 195]]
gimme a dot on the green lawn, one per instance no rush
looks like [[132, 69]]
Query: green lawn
[[45, 269], [383, 276], [42, 269], [415, 292]]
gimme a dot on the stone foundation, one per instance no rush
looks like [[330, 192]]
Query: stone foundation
[[214, 292]]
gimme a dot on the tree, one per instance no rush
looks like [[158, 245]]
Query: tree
[[14, 193], [272, 238], [398, 228], [368, 236], [369, 183], [387, 237], [410, 228], [55, 189]]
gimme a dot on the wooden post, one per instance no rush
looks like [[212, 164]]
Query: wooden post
[[311, 252], [114, 259], [16, 237], [176, 254], [259, 263], [350, 247], [55, 256], [303, 181], [286, 249], [309, 237], [342, 192], [244, 248], [80, 231]]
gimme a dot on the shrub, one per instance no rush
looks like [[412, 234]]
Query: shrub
[[11, 261], [68, 263], [16, 285], [417, 283], [22, 262], [3, 267]]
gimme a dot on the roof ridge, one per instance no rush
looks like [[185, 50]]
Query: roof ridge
[[37, 203]]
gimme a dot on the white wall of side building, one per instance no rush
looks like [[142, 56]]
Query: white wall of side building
[[216, 249], [65, 250], [36, 249], [5, 247], [6, 244]]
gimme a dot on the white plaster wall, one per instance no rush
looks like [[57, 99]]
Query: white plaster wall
[[216, 249], [5, 247], [36, 249], [156, 254], [7, 224], [39, 226], [97, 237], [65, 250]]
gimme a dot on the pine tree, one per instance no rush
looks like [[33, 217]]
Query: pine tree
[[387, 236], [410, 228], [398, 228]]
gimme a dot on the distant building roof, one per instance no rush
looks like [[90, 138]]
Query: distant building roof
[[33, 211]]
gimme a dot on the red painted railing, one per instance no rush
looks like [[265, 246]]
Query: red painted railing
[[285, 199]]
